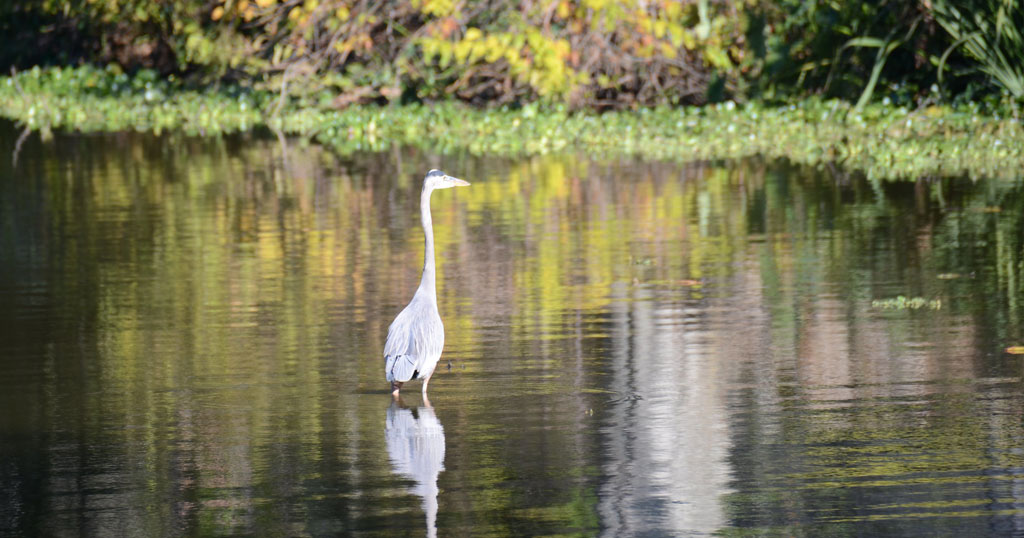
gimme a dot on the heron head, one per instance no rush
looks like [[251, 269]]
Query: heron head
[[437, 179]]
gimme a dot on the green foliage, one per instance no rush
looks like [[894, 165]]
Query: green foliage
[[606, 53], [882, 140], [132, 33], [598, 54], [91, 99], [840, 49], [990, 31]]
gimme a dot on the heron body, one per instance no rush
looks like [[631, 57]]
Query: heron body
[[416, 337]]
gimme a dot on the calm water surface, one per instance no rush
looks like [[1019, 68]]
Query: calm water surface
[[191, 335]]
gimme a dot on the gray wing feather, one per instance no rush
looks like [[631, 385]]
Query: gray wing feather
[[414, 343], [399, 367]]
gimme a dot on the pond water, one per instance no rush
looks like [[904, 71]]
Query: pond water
[[191, 334]]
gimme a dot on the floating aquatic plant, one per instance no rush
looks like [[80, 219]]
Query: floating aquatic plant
[[881, 140], [907, 303]]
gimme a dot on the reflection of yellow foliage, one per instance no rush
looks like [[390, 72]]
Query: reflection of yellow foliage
[[223, 314]]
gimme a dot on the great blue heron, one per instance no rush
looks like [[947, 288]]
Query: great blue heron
[[416, 337]]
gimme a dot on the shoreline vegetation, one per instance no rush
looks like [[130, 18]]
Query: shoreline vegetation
[[896, 89], [882, 140]]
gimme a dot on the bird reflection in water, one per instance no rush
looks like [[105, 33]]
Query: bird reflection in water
[[415, 440]]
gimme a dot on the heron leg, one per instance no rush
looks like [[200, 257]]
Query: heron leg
[[425, 381], [395, 387]]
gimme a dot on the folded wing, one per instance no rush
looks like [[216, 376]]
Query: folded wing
[[400, 368], [414, 343]]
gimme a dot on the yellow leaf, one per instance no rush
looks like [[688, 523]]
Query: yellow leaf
[[265, 3], [475, 52], [462, 50], [494, 49], [689, 41], [1015, 350], [562, 48], [660, 27], [217, 13], [676, 33], [674, 9], [473, 33], [563, 9]]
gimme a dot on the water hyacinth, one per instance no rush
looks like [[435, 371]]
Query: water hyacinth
[[882, 141]]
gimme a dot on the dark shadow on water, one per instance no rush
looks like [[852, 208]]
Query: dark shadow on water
[[365, 391]]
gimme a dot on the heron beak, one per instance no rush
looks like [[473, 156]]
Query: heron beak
[[458, 182]]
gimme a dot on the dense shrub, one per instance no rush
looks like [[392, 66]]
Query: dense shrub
[[584, 53], [587, 52], [992, 33], [847, 49]]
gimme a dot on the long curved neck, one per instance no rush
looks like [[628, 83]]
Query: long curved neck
[[427, 281]]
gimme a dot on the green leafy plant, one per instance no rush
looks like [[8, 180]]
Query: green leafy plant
[[333, 53], [840, 49], [991, 32]]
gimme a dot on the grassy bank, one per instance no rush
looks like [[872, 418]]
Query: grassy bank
[[883, 141]]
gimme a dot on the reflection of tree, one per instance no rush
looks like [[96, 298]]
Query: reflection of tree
[[665, 439], [220, 308], [861, 416], [415, 441]]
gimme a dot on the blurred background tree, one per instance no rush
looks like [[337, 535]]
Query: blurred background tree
[[580, 53]]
